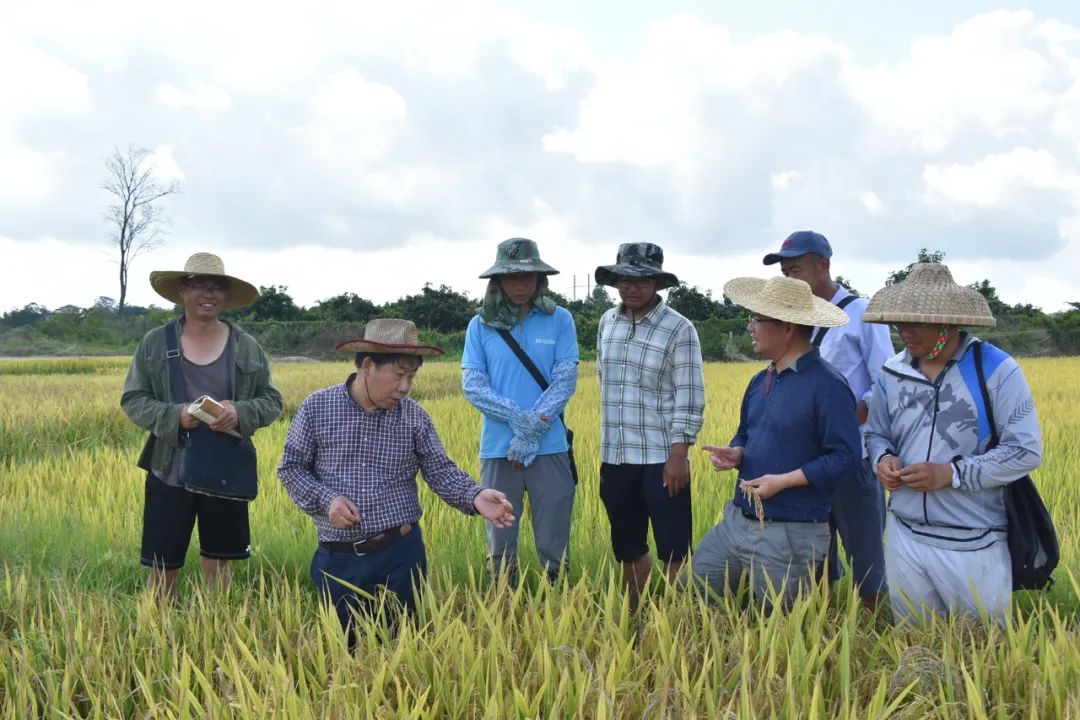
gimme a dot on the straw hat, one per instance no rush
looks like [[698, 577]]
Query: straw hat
[[392, 336], [518, 255], [167, 282], [637, 260], [929, 295], [785, 299]]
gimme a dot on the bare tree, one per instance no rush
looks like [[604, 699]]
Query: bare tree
[[134, 217]]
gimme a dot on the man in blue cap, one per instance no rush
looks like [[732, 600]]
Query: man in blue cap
[[857, 350]]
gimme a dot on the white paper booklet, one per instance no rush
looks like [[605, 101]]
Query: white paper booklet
[[207, 409]]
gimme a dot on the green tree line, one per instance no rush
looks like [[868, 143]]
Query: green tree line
[[442, 314]]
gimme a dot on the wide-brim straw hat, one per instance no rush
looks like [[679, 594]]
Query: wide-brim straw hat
[[166, 283], [786, 299], [391, 336], [929, 295], [637, 260], [518, 255]]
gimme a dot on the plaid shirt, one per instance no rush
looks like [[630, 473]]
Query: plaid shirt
[[652, 388], [335, 447]]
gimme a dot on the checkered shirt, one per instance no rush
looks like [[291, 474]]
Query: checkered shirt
[[335, 447], [652, 388]]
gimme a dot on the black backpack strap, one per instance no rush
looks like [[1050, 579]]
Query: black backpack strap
[[820, 334], [994, 439], [176, 370]]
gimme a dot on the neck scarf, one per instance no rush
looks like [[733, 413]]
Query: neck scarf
[[497, 310]]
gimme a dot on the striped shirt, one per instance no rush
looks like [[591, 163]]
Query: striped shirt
[[335, 447], [652, 388]]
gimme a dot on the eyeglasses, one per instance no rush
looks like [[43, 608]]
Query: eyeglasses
[[204, 285], [754, 319], [639, 283]]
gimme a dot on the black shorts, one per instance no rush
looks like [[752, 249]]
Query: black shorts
[[169, 514], [634, 495]]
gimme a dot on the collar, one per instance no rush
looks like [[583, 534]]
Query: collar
[[808, 359], [650, 317], [840, 294], [345, 388]]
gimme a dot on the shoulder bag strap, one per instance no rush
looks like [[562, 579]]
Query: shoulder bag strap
[[985, 395], [538, 376], [820, 334], [176, 371]]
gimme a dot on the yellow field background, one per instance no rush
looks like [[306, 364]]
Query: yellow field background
[[79, 637]]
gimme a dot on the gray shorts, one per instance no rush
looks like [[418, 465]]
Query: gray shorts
[[779, 558]]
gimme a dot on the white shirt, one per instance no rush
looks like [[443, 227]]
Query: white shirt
[[857, 350]]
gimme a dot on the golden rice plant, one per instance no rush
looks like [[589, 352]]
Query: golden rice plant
[[79, 638]]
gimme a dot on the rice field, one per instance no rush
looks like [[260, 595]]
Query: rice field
[[80, 638]]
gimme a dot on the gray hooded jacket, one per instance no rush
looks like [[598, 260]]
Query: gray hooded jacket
[[946, 421]]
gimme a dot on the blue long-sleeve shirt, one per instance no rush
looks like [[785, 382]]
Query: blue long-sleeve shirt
[[803, 417]]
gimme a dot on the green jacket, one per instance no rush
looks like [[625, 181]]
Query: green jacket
[[147, 397]]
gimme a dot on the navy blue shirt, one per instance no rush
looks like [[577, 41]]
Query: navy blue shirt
[[803, 417]]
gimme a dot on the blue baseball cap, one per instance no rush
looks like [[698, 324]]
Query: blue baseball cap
[[800, 243]]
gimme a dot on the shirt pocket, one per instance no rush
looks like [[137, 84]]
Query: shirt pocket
[[156, 370], [649, 360], [247, 377]]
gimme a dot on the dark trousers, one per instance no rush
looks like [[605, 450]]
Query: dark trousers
[[858, 514], [393, 570]]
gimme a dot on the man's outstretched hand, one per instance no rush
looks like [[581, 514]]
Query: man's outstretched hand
[[494, 506]]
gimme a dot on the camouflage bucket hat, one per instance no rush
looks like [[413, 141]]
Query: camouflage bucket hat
[[518, 255], [638, 260]]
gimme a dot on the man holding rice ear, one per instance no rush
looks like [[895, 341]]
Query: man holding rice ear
[[798, 438], [930, 438], [519, 369], [206, 356], [857, 350], [350, 462]]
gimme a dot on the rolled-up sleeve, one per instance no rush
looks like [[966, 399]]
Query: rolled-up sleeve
[[688, 378]]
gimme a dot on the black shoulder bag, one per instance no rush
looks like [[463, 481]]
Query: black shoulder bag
[[820, 334], [1033, 542], [211, 463], [539, 378]]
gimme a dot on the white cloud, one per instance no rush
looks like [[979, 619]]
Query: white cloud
[[203, 97], [782, 180], [165, 167], [872, 203], [385, 131], [997, 180]]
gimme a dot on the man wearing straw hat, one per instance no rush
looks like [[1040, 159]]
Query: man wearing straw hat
[[857, 350], [519, 369], [798, 439], [652, 404], [218, 359], [930, 439], [350, 462]]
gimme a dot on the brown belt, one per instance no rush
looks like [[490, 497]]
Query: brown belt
[[372, 544]]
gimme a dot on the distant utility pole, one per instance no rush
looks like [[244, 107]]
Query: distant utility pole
[[574, 287]]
